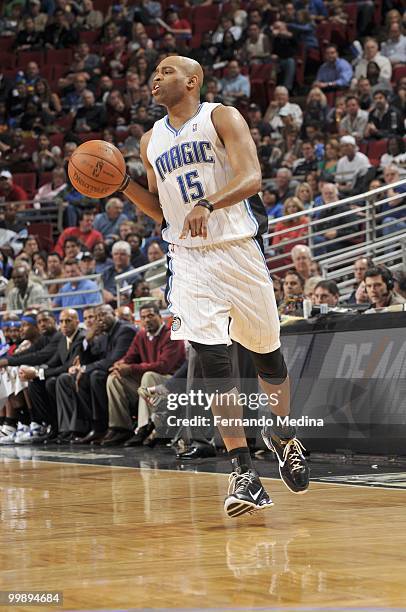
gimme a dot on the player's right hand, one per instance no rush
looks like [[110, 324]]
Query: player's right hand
[[195, 223]]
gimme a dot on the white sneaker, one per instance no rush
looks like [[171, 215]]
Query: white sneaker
[[35, 433], [7, 434], [21, 431]]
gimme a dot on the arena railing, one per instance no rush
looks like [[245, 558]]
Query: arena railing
[[47, 299], [363, 222], [50, 212], [124, 281], [390, 252]]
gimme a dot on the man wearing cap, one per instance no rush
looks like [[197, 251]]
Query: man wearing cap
[[25, 293], [281, 103], [42, 347], [255, 120], [41, 332], [11, 384], [87, 263], [9, 192], [85, 233], [351, 165]]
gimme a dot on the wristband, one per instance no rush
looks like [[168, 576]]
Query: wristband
[[205, 204], [125, 183]]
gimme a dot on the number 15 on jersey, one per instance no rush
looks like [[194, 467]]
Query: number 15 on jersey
[[190, 187]]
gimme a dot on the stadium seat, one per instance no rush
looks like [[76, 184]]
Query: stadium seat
[[339, 35], [90, 36], [102, 5], [186, 12], [43, 232], [378, 12], [196, 41], [120, 135], [7, 43], [7, 60], [331, 98], [204, 25], [85, 136], [153, 31], [300, 59], [30, 145], [119, 84], [376, 148], [261, 77], [64, 122], [351, 10], [27, 181], [323, 34], [56, 140], [44, 178], [398, 73], [59, 57], [59, 71], [24, 57], [10, 73], [206, 12]]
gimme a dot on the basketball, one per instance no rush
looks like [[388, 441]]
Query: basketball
[[96, 169]]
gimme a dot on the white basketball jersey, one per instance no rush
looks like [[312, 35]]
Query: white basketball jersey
[[190, 164]]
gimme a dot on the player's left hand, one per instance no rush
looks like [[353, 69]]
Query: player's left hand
[[195, 223]]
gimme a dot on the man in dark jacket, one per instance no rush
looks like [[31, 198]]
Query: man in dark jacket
[[81, 392], [42, 333], [42, 349], [149, 361], [42, 387]]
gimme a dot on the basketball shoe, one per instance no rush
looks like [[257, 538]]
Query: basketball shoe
[[245, 493], [293, 467]]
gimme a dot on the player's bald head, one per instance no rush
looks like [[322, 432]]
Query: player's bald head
[[191, 68], [187, 65]]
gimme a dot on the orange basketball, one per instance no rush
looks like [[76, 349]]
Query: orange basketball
[[96, 169]]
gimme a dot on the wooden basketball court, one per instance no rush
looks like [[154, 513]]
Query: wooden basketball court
[[127, 538]]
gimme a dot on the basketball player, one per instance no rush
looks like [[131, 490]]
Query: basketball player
[[203, 178]]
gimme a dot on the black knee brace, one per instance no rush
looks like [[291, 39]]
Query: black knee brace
[[271, 366], [216, 366]]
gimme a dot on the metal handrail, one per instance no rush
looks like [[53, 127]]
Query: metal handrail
[[132, 274], [365, 225]]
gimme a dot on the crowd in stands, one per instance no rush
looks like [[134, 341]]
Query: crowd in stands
[[322, 86]]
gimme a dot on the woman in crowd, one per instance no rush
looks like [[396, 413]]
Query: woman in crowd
[[295, 229], [328, 165], [305, 194], [48, 100], [316, 110], [228, 49], [39, 264], [142, 68]]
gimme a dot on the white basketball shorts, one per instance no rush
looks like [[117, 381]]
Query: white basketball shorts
[[212, 285]]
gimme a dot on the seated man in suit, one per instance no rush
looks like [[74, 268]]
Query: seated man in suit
[[81, 392], [42, 386], [150, 360], [41, 331]]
